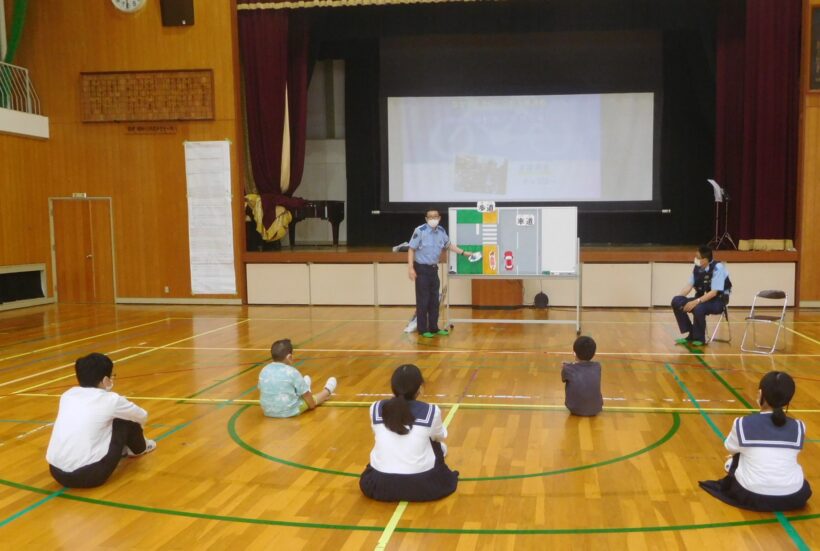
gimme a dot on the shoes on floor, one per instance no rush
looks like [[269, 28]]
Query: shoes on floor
[[443, 332], [427, 335], [308, 380], [688, 341], [331, 385], [150, 445]]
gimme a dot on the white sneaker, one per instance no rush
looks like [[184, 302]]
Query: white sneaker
[[150, 445], [331, 385], [308, 380], [412, 325]]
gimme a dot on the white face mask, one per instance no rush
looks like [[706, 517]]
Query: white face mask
[[433, 222], [697, 262]]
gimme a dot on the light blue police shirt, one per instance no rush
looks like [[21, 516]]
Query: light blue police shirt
[[719, 275], [428, 244]]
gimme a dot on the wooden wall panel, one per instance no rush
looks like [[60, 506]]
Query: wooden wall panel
[[809, 182], [809, 243], [144, 174]]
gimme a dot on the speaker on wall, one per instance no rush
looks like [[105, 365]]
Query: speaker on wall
[[177, 13]]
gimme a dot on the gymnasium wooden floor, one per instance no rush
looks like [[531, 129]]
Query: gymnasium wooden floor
[[533, 477]]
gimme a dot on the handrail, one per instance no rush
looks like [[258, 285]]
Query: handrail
[[16, 90]]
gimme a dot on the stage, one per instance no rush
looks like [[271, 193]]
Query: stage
[[612, 276], [323, 254]]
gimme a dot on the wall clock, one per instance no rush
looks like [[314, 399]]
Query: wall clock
[[129, 6]]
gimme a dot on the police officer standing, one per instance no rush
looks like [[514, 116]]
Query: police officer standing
[[712, 286], [426, 246]]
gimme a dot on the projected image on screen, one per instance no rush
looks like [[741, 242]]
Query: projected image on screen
[[567, 148]]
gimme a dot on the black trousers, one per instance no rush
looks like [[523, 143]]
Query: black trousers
[[427, 302], [123, 433], [696, 330]]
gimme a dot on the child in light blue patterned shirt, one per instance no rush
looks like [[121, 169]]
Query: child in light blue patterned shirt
[[283, 391]]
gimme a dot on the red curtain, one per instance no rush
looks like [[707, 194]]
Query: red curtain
[[298, 78], [756, 146], [274, 47]]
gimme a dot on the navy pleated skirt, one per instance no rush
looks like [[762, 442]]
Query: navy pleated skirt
[[729, 491], [430, 485]]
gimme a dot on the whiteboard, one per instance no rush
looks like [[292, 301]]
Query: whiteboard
[[515, 241], [559, 240]]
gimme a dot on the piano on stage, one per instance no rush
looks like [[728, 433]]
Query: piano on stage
[[332, 211]]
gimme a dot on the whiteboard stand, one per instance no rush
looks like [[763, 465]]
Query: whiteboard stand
[[576, 276]]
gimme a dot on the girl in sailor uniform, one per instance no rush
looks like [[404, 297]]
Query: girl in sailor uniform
[[764, 474], [407, 460]]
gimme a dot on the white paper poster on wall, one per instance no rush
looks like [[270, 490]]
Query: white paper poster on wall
[[210, 222]]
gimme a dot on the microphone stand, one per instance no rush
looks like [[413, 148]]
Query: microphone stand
[[716, 239], [727, 237]]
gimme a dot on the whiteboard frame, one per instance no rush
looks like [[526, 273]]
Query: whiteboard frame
[[543, 216], [576, 276]]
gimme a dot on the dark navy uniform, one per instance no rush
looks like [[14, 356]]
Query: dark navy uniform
[[714, 277], [427, 244]]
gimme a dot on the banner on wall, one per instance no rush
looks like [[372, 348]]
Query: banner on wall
[[210, 222]]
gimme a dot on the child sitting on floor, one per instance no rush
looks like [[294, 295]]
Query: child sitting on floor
[[283, 391], [583, 380], [764, 474], [407, 460], [94, 428]]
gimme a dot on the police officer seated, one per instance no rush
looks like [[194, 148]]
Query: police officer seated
[[710, 280]]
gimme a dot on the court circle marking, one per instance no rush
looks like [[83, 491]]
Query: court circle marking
[[407, 529], [247, 447]]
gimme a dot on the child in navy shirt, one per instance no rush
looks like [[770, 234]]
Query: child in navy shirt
[[583, 380]]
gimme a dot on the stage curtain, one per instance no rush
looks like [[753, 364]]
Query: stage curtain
[[298, 79], [756, 145], [274, 54]]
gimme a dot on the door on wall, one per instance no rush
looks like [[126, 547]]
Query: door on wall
[[83, 251]]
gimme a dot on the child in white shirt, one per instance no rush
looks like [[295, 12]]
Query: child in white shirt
[[94, 428], [407, 460], [764, 474]]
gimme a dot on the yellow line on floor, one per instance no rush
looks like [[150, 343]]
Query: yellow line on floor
[[799, 334], [151, 349], [397, 514], [677, 352], [62, 344], [453, 405], [26, 377], [409, 307], [391, 526], [154, 398]]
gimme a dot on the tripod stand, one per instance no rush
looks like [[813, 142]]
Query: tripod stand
[[721, 197]]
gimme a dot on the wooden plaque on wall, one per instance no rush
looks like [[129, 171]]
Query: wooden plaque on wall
[[132, 96]]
